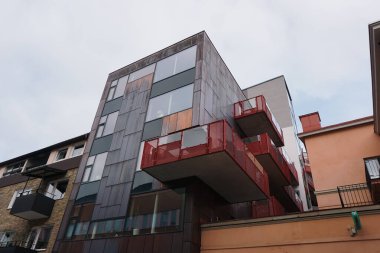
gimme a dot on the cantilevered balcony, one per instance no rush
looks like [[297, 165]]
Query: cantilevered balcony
[[273, 160], [267, 208], [215, 154], [254, 117], [10, 248], [293, 173], [32, 206]]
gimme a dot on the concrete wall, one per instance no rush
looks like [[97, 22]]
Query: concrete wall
[[336, 158], [314, 232]]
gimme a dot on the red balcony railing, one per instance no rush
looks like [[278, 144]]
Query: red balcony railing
[[255, 105], [199, 141], [264, 145], [293, 173], [292, 194], [267, 208]]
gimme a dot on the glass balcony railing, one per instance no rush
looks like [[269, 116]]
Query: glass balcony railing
[[258, 125], [203, 143]]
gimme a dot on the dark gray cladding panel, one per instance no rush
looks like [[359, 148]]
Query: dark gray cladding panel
[[101, 145], [112, 106], [152, 129], [172, 83], [87, 192]]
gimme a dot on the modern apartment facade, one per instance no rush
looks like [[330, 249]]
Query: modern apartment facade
[[175, 144], [34, 190]]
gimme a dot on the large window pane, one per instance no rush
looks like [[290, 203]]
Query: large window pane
[[121, 87], [171, 102], [175, 64], [110, 124], [155, 212], [141, 73], [98, 167]]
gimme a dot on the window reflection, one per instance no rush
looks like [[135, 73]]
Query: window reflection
[[171, 102]]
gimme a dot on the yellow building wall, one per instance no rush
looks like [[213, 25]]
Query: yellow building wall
[[336, 158]]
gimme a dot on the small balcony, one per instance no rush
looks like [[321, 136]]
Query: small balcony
[[280, 171], [291, 201], [33, 206], [293, 173], [254, 117], [215, 154], [267, 208]]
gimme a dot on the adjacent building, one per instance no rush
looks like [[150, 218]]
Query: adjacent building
[[34, 190]]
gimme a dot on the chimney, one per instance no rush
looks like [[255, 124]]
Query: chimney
[[310, 122]]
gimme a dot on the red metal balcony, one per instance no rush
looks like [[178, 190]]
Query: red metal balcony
[[267, 208], [254, 117], [293, 174], [274, 160], [215, 154]]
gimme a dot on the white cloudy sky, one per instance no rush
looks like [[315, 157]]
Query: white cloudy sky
[[55, 55]]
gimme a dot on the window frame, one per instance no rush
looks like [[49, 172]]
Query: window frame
[[81, 146], [59, 152], [35, 241], [55, 183]]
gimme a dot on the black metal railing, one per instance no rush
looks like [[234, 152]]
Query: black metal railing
[[354, 195]]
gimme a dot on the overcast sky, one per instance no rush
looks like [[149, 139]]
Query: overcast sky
[[55, 56]]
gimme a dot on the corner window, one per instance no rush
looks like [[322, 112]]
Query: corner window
[[107, 124], [61, 154], [175, 64], [94, 167], [117, 88], [56, 189], [38, 238], [155, 212], [171, 102], [78, 150], [17, 194]]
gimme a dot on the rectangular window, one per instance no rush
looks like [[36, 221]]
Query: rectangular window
[[171, 102], [56, 189], [107, 124], [175, 64], [38, 238], [14, 168], [117, 88], [373, 167], [6, 238], [17, 194], [61, 154], [94, 167], [142, 72], [105, 228], [155, 212], [78, 150]]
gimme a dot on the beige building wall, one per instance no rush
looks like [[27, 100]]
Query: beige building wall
[[311, 233], [336, 159]]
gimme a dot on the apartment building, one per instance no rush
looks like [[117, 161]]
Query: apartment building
[[34, 190], [175, 144]]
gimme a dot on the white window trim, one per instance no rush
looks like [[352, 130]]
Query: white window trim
[[17, 194], [55, 182], [33, 245]]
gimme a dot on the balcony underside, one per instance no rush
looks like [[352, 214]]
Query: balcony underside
[[34, 206], [258, 123], [217, 170], [276, 177], [286, 201]]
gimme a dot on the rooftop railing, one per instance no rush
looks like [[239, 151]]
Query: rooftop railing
[[211, 138]]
